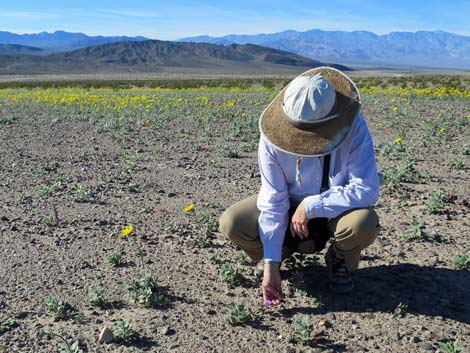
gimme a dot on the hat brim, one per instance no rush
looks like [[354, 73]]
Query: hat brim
[[321, 139]]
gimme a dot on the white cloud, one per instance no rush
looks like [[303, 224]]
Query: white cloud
[[130, 13], [30, 15]]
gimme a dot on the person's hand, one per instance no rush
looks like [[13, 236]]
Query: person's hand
[[299, 222], [271, 284]]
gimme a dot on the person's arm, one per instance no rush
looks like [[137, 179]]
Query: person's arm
[[362, 189], [273, 202]]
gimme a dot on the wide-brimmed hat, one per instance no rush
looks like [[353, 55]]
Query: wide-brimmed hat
[[313, 114]]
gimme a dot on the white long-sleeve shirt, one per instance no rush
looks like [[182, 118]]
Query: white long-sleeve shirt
[[353, 183]]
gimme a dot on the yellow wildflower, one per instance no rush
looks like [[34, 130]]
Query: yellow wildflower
[[126, 231], [442, 130], [398, 139], [189, 208], [394, 108], [379, 124]]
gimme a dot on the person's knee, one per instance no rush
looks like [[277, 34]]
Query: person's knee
[[227, 224], [357, 230]]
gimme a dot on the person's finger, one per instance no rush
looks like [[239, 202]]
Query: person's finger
[[270, 297], [292, 230], [299, 230], [276, 302], [304, 230]]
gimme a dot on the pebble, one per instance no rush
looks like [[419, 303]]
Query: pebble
[[106, 336], [426, 346], [164, 330]]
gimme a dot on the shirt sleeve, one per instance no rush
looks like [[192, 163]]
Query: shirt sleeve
[[362, 188], [273, 202]]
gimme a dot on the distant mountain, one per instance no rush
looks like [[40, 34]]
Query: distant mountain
[[60, 40], [19, 49], [422, 49], [155, 55]]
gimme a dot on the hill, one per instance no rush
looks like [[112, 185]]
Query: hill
[[19, 49], [154, 55]]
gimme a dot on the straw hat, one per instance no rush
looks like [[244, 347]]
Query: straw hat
[[312, 115]]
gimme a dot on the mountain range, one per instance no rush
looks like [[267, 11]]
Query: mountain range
[[63, 51], [155, 56], [422, 49], [60, 40]]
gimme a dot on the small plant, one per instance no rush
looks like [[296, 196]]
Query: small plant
[[241, 257], [24, 199], [124, 332], [215, 257], [449, 347], [78, 319], [48, 167], [46, 190], [55, 306], [48, 221], [401, 172], [231, 274], [96, 296], [238, 314], [461, 261], [208, 221], [65, 346], [144, 291], [116, 259], [202, 238], [457, 164], [131, 188], [69, 347], [127, 233], [435, 203], [228, 152], [414, 231], [82, 194], [302, 330], [174, 228], [7, 325]]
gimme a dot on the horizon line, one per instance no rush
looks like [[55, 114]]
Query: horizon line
[[233, 34]]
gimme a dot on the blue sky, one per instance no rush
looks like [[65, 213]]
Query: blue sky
[[172, 19]]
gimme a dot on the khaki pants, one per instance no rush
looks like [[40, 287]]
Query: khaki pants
[[352, 232]]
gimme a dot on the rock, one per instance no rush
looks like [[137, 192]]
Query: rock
[[106, 336], [415, 339], [164, 330], [426, 346]]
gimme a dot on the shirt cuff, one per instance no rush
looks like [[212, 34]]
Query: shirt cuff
[[273, 252], [314, 206]]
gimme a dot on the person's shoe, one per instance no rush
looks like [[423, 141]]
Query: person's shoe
[[341, 280]]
